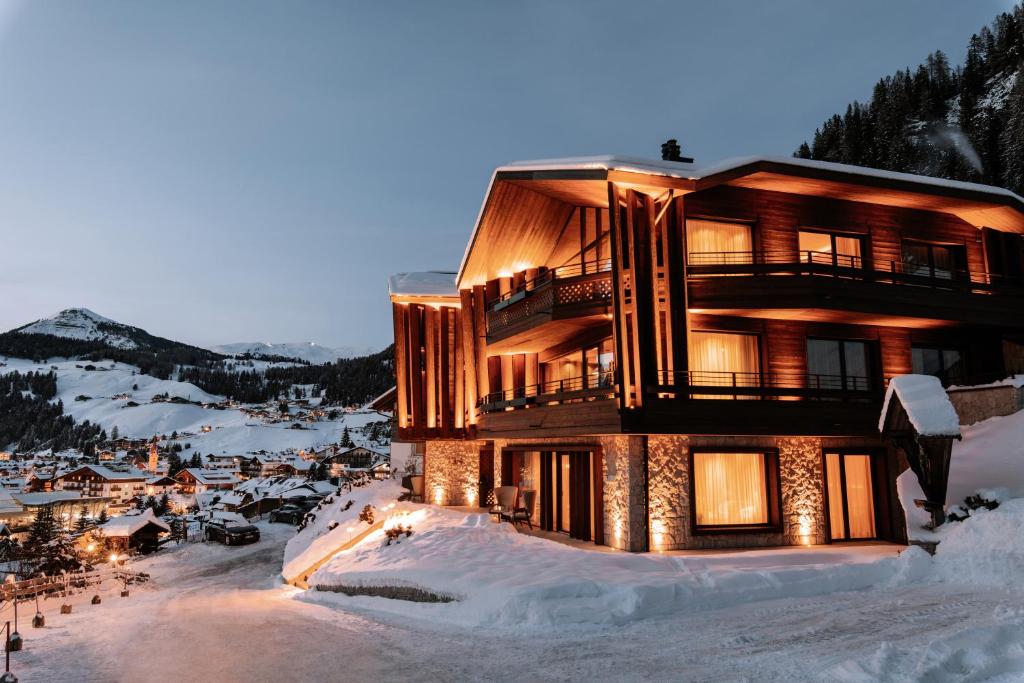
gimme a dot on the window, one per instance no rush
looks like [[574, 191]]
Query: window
[[830, 249], [838, 364], [932, 260], [588, 368], [724, 359], [713, 242], [946, 364], [733, 489]]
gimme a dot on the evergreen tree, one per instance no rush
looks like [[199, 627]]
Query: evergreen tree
[[195, 461], [82, 522], [346, 438], [103, 517], [163, 504], [114, 434]]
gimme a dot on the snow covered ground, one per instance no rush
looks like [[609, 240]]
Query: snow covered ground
[[214, 613], [110, 390]]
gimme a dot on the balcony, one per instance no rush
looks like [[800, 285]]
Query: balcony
[[820, 286], [552, 307]]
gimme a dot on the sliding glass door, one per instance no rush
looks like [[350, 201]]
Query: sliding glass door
[[851, 496], [716, 242], [724, 359]]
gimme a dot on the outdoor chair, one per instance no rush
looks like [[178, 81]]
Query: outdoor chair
[[506, 496], [524, 513]]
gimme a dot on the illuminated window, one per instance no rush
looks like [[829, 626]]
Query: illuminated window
[[724, 359], [714, 242], [733, 489], [830, 249]]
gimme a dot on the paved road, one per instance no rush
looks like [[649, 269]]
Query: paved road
[[217, 614]]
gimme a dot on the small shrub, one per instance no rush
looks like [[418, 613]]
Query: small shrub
[[972, 503]]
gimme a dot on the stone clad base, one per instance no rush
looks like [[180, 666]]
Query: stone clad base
[[634, 523]]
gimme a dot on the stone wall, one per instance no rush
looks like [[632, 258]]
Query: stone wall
[[452, 472], [974, 404], [801, 482], [624, 506]]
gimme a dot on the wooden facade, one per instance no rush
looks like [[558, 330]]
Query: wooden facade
[[576, 307]]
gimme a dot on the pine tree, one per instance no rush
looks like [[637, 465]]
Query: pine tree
[[162, 505], [103, 517], [1012, 139], [346, 438], [114, 434], [83, 523]]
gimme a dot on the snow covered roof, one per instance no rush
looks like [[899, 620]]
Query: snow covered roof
[[47, 497], [692, 171], [927, 405], [126, 525], [433, 283], [107, 473], [207, 477]]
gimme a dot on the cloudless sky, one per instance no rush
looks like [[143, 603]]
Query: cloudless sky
[[253, 171]]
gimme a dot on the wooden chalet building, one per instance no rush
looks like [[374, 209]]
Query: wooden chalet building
[[676, 356]]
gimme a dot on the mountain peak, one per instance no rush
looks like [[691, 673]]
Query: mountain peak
[[84, 324], [309, 351]]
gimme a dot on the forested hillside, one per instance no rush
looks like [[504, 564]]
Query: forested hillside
[[964, 122], [29, 421], [348, 381]]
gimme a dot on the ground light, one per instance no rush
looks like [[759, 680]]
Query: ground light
[[8, 677], [13, 639]]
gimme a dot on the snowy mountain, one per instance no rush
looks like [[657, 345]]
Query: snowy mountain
[[307, 351], [84, 325], [81, 333]]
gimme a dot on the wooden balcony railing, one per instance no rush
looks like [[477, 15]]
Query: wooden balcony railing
[[763, 385], [578, 284], [592, 386], [737, 263]]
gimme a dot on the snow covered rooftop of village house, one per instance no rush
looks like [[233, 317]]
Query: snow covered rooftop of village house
[[108, 473], [430, 283], [126, 525], [691, 171], [927, 405]]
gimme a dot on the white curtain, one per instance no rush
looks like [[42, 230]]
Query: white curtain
[[859, 499], [837, 521], [716, 356], [711, 242], [730, 488]]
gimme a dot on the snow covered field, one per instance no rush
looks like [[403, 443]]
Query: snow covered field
[[111, 388], [221, 614]]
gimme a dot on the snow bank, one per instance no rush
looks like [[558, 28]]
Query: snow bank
[[499, 577], [990, 455], [926, 403], [318, 540], [985, 549]]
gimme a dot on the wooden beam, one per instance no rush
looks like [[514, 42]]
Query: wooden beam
[[619, 299], [430, 346], [416, 362], [468, 355], [402, 388], [480, 341]]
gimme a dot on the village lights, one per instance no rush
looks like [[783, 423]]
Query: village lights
[[113, 558]]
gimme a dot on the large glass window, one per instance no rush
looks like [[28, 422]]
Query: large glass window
[[932, 260], [946, 364], [830, 249], [851, 503], [838, 364], [730, 489], [714, 242], [724, 359], [588, 368]]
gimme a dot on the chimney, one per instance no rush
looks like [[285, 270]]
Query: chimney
[[671, 151]]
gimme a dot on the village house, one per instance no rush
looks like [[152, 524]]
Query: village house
[[662, 355], [140, 533], [158, 486], [358, 458], [102, 482], [194, 480]]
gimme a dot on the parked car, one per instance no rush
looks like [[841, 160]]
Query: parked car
[[288, 514], [219, 531]]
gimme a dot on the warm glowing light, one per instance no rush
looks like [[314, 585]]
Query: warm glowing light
[[504, 273], [438, 495], [805, 529], [91, 548], [113, 557], [350, 529]]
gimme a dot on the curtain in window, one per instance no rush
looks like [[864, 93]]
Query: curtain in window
[[712, 242], [859, 499], [836, 518], [730, 488], [723, 359]]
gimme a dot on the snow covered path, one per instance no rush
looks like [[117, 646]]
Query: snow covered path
[[218, 614]]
